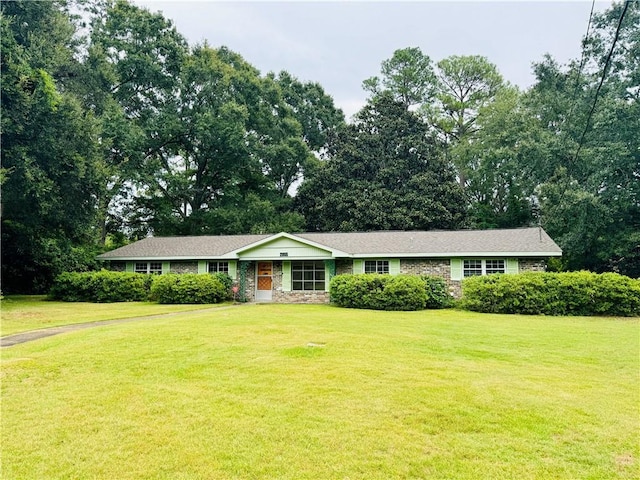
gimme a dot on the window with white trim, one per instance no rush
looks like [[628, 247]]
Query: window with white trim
[[475, 267], [152, 268], [308, 275], [376, 266], [219, 267]]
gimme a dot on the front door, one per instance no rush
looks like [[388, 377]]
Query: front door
[[264, 281]]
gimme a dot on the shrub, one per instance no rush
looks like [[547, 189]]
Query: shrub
[[404, 292], [571, 293], [378, 292], [188, 288], [102, 287], [226, 281], [357, 291], [437, 292]]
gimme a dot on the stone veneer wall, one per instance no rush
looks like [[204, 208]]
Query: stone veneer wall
[[250, 291], [439, 267], [532, 265], [183, 267]]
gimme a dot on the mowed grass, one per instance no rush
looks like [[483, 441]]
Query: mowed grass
[[22, 313], [318, 392]]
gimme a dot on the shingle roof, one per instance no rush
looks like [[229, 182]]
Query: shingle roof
[[525, 240], [188, 247], [520, 241]]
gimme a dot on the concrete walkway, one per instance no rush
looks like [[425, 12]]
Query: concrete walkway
[[24, 337]]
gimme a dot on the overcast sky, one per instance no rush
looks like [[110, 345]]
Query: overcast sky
[[339, 44]]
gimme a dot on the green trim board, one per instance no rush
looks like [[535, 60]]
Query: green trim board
[[394, 266], [456, 269], [286, 276], [358, 266], [233, 269], [512, 265]]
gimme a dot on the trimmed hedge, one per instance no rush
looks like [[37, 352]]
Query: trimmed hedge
[[378, 292], [389, 292], [101, 287], [188, 288], [535, 293]]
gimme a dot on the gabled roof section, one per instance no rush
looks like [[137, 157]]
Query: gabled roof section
[[294, 238], [518, 242]]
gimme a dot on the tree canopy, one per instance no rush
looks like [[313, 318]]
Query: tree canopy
[[115, 128]]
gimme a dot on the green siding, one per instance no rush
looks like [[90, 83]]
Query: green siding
[[166, 267], [394, 266], [512, 265], [286, 276], [456, 269], [358, 266], [233, 269], [202, 266], [130, 267], [292, 249]]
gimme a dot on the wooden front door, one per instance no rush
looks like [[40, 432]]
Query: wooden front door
[[264, 281]]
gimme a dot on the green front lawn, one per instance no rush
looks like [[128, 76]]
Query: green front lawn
[[21, 313], [318, 392]]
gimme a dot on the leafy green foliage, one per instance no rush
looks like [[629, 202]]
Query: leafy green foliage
[[378, 292], [385, 172], [101, 287], [188, 288], [407, 76], [49, 150], [437, 292], [571, 293]]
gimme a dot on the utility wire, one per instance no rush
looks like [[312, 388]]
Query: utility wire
[[604, 74], [582, 60]]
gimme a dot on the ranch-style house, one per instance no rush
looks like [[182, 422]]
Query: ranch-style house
[[289, 268]]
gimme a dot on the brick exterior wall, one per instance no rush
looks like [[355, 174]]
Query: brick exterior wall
[[532, 265], [183, 267]]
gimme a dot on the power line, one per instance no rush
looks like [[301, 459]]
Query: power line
[[604, 74], [582, 60]]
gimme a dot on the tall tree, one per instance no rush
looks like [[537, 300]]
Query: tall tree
[[587, 175], [313, 108], [236, 140], [49, 150], [385, 172], [131, 71], [408, 76]]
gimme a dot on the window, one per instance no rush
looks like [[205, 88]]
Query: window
[[376, 266], [483, 267], [494, 266], [472, 268], [148, 267], [219, 267], [307, 275]]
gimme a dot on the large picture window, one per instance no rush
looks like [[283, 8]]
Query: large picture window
[[483, 267], [219, 267], [148, 267], [307, 275], [376, 266]]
